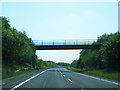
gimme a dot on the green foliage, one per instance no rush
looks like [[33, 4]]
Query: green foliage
[[78, 69], [41, 64], [110, 52], [63, 64], [4, 23], [103, 38], [13, 73], [98, 73], [106, 57], [74, 63], [17, 48], [104, 74]]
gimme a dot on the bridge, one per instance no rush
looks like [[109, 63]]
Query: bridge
[[65, 44]]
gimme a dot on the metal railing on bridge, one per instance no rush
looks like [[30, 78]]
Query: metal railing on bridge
[[65, 42]]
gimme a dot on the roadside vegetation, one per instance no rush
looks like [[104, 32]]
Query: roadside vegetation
[[98, 73], [104, 74], [102, 62], [18, 53], [14, 72], [42, 64], [17, 49]]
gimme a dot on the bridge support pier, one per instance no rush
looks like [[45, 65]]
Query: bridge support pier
[[34, 60]]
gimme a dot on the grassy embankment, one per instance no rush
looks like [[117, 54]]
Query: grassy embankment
[[99, 73], [16, 73], [8, 72]]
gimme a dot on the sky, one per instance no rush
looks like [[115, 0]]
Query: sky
[[62, 21]]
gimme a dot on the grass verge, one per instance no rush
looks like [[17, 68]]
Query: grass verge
[[104, 74], [99, 73], [13, 73]]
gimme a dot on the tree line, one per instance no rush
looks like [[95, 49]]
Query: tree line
[[17, 48], [42, 64], [106, 57]]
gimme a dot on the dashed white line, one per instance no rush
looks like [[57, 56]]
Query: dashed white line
[[70, 80], [63, 75], [60, 73], [67, 79], [26, 80], [82, 89]]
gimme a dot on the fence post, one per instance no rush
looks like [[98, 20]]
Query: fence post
[[34, 60]]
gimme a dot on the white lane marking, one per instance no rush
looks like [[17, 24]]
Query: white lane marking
[[60, 73], [99, 79], [82, 89], [70, 80], [26, 81], [63, 75]]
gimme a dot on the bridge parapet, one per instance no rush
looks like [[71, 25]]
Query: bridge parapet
[[65, 42]]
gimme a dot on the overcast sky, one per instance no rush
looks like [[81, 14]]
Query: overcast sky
[[62, 21]]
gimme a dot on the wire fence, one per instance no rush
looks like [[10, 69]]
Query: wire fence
[[65, 42]]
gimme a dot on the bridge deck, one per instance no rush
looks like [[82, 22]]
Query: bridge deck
[[65, 45]]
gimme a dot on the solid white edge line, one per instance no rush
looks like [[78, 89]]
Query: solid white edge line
[[26, 81], [99, 78], [70, 80]]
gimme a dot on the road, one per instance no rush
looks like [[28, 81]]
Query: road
[[58, 78]]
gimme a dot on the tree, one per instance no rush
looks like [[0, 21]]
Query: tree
[[17, 48], [106, 57], [110, 52], [63, 64], [74, 63]]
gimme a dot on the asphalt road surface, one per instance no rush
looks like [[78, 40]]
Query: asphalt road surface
[[57, 78]]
